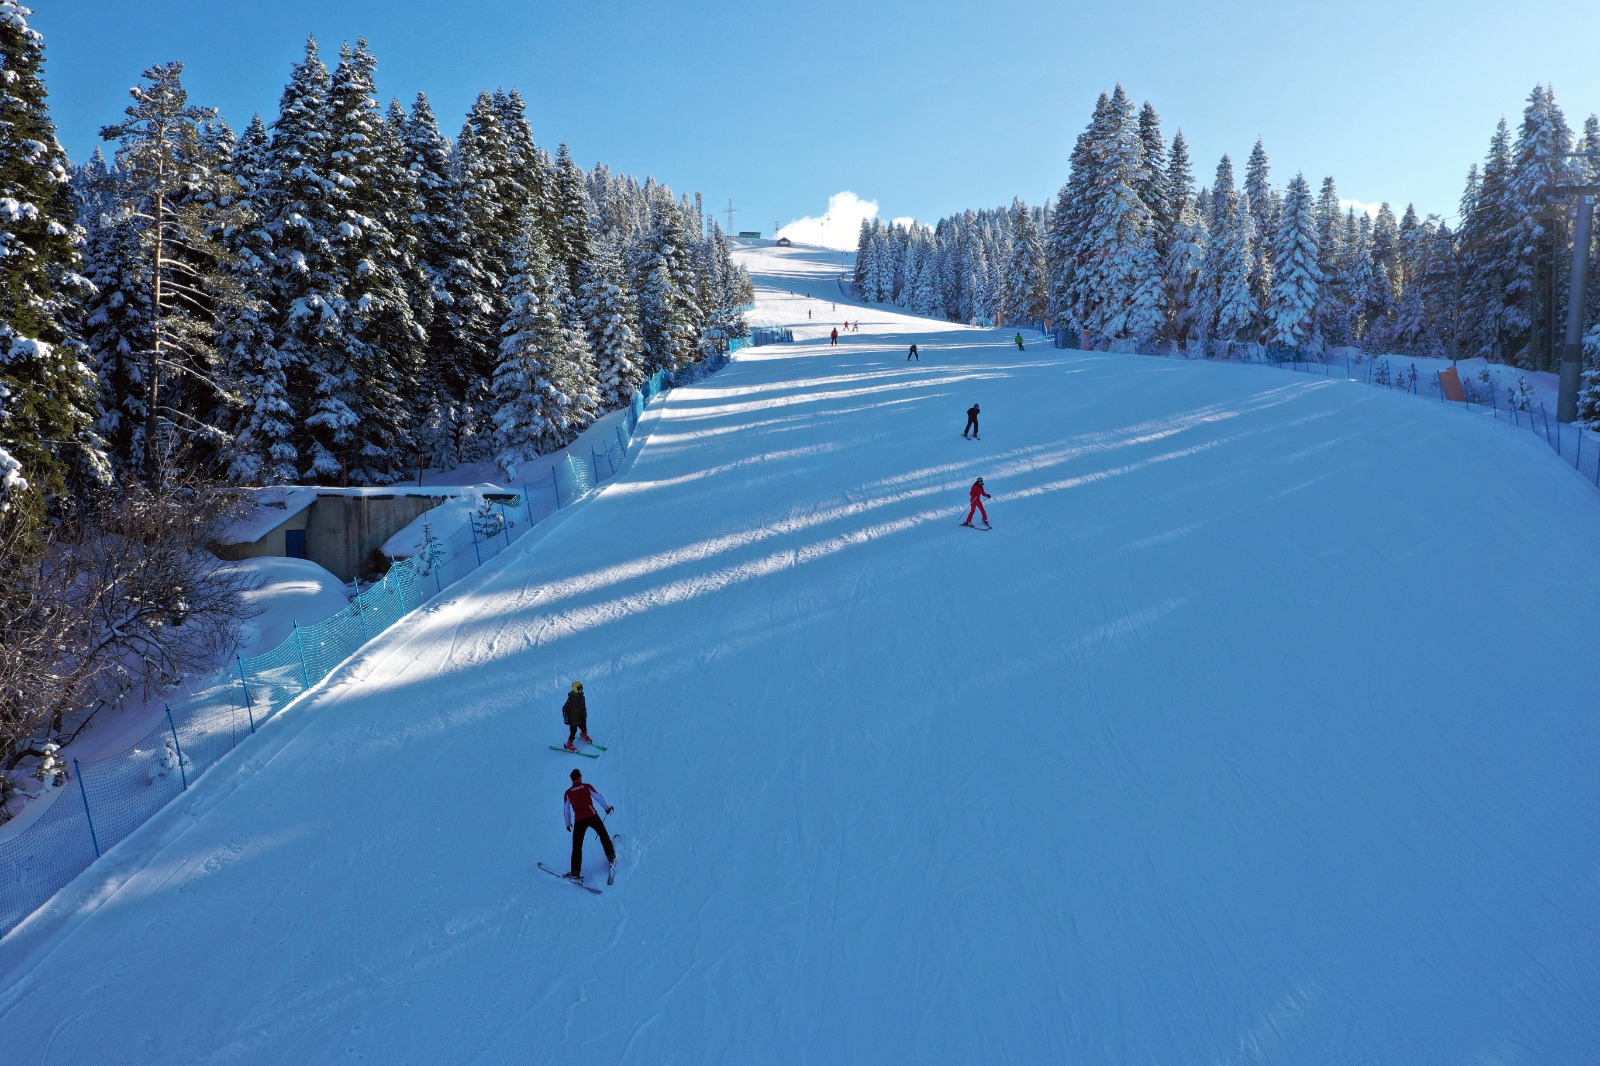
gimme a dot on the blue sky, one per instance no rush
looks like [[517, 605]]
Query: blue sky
[[924, 109]]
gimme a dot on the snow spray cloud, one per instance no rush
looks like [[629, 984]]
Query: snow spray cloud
[[839, 225]]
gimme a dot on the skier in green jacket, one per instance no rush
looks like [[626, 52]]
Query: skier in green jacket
[[1020, 348]]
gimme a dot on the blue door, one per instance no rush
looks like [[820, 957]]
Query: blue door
[[294, 543]]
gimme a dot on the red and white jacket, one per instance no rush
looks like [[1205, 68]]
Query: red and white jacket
[[583, 801]]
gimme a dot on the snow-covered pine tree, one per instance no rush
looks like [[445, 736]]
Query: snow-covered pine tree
[[611, 317], [1025, 290], [1184, 259], [359, 418], [1589, 395], [496, 213], [729, 290], [263, 450], [47, 393], [1237, 313], [539, 395], [1296, 275], [925, 299], [1147, 299], [302, 286], [530, 188], [1151, 184], [1487, 253], [569, 242], [1109, 251], [863, 247], [1382, 292], [668, 317], [1357, 272], [166, 169], [1185, 229], [1070, 218], [870, 264], [460, 308], [1262, 200], [1535, 305], [1331, 311], [117, 321], [981, 288]]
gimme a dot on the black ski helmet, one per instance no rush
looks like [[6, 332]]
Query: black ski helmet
[[577, 775]]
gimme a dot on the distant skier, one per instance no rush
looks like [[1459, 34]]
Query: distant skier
[[581, 808], [575, 712], [912, 354], [808, 312], [835, 339], [972, 420], [1020, 348], [847, 325], [977, 496], [857, 327]]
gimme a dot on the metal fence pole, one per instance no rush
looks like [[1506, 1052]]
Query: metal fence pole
[[305, 671], [77, 772], [178, 748], [527, 502], [249, 705], [557, 483]]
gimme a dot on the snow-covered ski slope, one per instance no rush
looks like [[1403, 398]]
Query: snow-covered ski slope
[[1262, 729]]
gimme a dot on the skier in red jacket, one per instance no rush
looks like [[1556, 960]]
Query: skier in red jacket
[[581, 810], [833, 338], [978, 496]]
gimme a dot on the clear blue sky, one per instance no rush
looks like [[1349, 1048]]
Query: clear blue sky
[[924, 108]]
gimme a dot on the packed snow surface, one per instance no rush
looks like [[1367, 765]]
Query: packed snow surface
[[1261, 729]]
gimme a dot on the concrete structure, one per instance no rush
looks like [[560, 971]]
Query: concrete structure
[[341, 530]]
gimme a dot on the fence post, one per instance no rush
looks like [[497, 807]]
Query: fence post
[[621, 440], [527, 502], [557, 483], [361, 617], [182, 773], [249, 708], [1545, 418], [305, 671], [473, 533], [93, 839], [505, 525]]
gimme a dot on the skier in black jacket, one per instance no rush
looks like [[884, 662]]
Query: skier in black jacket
[[972, 422], [575, 712]]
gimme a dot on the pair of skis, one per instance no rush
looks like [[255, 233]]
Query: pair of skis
[[586, 754], [611, 873], [611, 878], [985, 527]]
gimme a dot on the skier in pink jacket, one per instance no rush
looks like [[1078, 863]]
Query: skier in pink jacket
[[977, 495]]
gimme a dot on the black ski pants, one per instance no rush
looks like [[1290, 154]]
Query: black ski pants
[[576, 726], [582, 827], [972, 426]]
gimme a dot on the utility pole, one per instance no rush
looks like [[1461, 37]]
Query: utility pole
[[1572, 350], [731, 213]]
